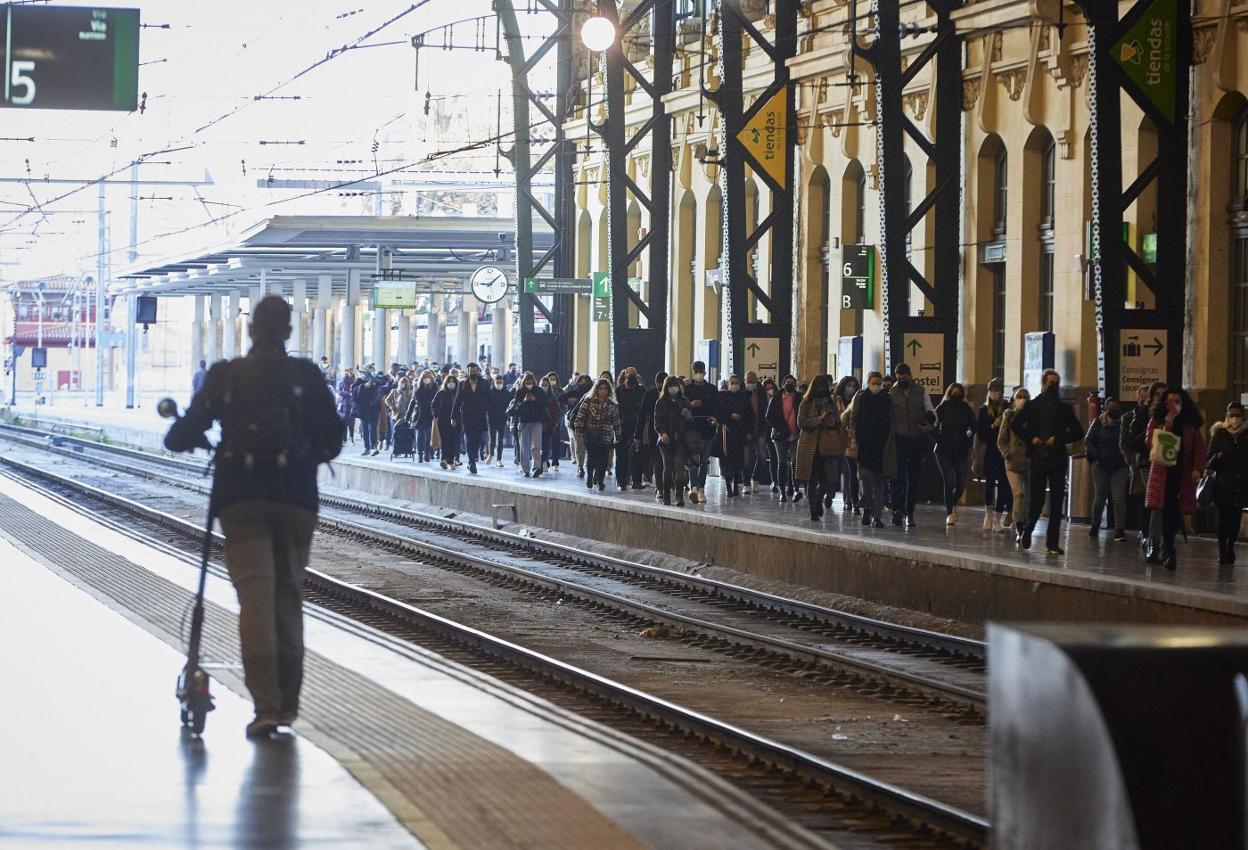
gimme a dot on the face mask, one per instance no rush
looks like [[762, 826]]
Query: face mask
[[790, 388], [1019, 402], [544, 386], [698, 376], [734, 387], [673, 391], [750, 386], [1115, 415], [849, 391], [498, 384], [903, 382], [956, 397], [995, 395], [632, 382], [874, 389], [528, 385], [451, 385], [1050, 388], [426, 381], [1234, 422]]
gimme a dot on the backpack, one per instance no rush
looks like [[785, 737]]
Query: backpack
[[261, 417]]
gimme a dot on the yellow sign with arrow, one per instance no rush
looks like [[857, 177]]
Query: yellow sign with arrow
[[763, 138]]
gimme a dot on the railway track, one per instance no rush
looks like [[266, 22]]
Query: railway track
[[911, 666], [848, 807]]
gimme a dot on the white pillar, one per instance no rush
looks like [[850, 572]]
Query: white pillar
[[229, 327], [468, 331], [346, 322], [403, 354], [197, 334], [435, 337], [132, 345], [500, 329], [381, 338], [298, 312], [320, 317], [212, 351]]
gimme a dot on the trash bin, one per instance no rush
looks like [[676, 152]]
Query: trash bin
[[1079, 489]]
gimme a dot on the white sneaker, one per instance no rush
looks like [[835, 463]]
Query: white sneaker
[[988, 515], [998, 524], [951, 519]]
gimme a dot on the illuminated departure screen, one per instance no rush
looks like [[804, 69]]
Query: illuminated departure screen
[[70, 57]]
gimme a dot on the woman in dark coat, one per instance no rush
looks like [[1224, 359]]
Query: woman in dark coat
[[1171, 490], [497, 416], [443, 408], [421, 414], [845, 392], [1228, 458], [998, 496], [672, 415], [821, 443], [782, 417], [955, 431], [346, 401], [629, 395], [871, 420], [736, 424]]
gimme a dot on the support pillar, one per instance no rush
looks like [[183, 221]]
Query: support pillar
[[229, 327], [197, 334], [403, 352], [298, 312], [435, 338], [468, 331], [212, 350], [347, 321], [500, 327], [132, 345], [320, 317]]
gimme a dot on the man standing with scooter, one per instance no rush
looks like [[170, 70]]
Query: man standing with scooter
[[278, 424]]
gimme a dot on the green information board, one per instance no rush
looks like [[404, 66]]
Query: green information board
[[1148, 54], [558, 285], [601, 301], [394, 296], [857, 277], [70, 57]]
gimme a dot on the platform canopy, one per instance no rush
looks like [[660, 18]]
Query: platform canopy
[[438, 254]]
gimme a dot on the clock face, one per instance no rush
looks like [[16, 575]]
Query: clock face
[[489, 284]]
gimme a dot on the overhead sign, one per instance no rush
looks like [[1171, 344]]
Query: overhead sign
[[600, 303], [394, 296], [925, 355], [762, 355], [558, 285], [1148, 55], [857, 277], [763, 138], [1142, 358], [70, 57]]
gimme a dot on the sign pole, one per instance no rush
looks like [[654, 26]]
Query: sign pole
[[99, 304]]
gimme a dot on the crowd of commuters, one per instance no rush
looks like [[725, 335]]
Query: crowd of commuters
[[814, 440]]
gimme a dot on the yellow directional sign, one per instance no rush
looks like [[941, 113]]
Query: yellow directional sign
[[763, 137]]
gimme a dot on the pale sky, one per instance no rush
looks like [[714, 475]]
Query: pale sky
[[216, 56]]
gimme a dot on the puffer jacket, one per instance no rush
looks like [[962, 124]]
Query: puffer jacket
[[599, 420], [1013, 449], [1103, 444], [955, 427], [1228, 457], [669, 418]]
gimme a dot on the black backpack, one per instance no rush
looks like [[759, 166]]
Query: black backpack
[[262, 423]]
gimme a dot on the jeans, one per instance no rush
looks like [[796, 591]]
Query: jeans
[[548, 447], [1055, 481], [266, 552], [1164, 524], [450, 443], [909, 464], [872, 493], [697, 473], [495, 447], [849, 481], [423, 435], [529, 440], [953, 475], [783, 470], [674, 473], [627, 465], [1020, 486], [1108, 485], [472, 445], [757, 461], [599, 456], [998, 491], [577, 445], [368, 430], [823, 471]]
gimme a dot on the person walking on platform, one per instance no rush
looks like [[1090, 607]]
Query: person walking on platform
[[782, 417], [912, 422], [499, 401], [821, 443], [1047, 425], [955, 431], [998, 495], [472, 413], [346, 403], [845, 392], [1132, 442], [736, 423], [420, 414], [367, 401], [629, 395], [197, 380], [758, 441], [1228, 460], [443, 407], [528, 408], [1110, 474], [672, 418], [703, 401], [278, 424], [1176, 454], [398, 401], [645, 438], [576, 390], [552, 428], [598, 424], [1014, 456], [871, 419]]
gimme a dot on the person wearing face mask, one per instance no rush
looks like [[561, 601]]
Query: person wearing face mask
[[821, 443], [672, 416], [497, 416], [1110, 473], [346, 402], [398, 400], [912, 422], [530, 411], [736, 423], [955, 430], [647, 442], [1173, 471], [998, 496], [367, 397], [420, 414], [628, 394], [871, 415], [443, 407], [845, 392], [703, 401], [472, 411], [782, 417], [1014, 455], [552, 441], [576, 390], [1228, 459], [1132, 442], [754, 472], [598, 424], [765, 450], [1047, 425]]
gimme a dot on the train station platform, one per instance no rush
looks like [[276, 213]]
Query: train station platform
[[395, 746], [960, 573]]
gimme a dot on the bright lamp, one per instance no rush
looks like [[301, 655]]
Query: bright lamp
[[598, 34]]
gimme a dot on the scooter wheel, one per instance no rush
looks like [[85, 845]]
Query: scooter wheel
[[198, 715]]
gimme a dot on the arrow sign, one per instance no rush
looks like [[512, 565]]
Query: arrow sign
[[914, 345], [1156, 346], [752, 348]]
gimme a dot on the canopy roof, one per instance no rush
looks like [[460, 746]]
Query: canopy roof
[[442, 252]]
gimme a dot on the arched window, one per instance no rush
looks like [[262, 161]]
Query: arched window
[[860, 208], [1000, 195], [1239, 242]]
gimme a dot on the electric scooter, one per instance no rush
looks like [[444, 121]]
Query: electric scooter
[[193, 691]]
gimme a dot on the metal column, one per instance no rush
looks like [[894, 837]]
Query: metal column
[[132, 345], [942, 55], [100, 284], [197, 332], [744, 140], [229, 325], [1164, 99]]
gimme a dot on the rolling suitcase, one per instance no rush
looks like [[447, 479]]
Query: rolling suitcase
[[404, 444]]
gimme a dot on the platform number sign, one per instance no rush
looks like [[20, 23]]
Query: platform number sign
[[858, 277], [70, 57]]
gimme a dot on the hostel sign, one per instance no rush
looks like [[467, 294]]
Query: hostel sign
[[1148, 54]]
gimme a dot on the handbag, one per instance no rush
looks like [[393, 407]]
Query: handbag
[[1165, 450], [435, 439], [1205, 488], [978, 449], [694, 443]]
